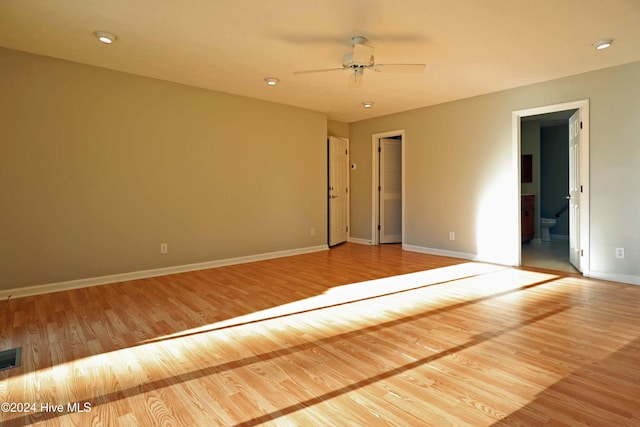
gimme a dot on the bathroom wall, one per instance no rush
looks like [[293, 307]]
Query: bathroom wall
[[554, 176], [530, 144]]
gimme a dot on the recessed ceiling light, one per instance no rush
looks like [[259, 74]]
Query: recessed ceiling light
[[367, 104], [105, 37], [272, 81], [603, 44]]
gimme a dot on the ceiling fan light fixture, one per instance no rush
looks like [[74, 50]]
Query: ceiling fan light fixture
[[105, 37], [367, 104], [361, 58], [603, 44], [272, 81]]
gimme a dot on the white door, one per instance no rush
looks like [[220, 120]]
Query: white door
[[575, 190], [390, 190], [338, 158]]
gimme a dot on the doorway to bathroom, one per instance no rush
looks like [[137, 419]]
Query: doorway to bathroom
[[553, 165]]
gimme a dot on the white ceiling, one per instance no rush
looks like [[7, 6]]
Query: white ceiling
[[471, 47]]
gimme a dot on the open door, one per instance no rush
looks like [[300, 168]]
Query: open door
[[575, 190], [390, 190], [338, 166], [579, 182]]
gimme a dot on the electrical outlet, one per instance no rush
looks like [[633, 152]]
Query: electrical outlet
[[164, 248], [452, 235], [620, 253]]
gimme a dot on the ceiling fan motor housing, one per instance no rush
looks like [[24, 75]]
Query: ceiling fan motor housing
[[361, 58], [362, 55], [349, 62]]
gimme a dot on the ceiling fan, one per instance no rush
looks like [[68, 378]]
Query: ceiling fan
[[362, 59]]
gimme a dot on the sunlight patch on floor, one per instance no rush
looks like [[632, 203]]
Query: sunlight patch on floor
[[353, 292]]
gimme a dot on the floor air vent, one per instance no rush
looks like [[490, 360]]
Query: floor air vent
[[10, 358]]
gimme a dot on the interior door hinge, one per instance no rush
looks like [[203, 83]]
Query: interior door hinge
[[346, 152], [346, 190], [580, 125], [581, 252], [581, 188], [379, 150], [379, 188], [378, 226]]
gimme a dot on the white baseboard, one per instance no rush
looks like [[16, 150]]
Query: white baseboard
[[613, 277], [440, 252], [143, 274], [454, 254], [359, 241]]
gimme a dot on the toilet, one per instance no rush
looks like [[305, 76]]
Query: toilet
[[545, 225]]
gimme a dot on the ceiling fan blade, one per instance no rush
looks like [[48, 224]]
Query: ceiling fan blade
[[319, 71], [400, 68], [362, 53], [355, 80]]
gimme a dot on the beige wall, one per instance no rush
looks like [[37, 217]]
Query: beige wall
[[459, 169], [98, 168], [339, 129]]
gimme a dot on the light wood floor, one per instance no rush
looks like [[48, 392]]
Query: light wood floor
[[324, 339]]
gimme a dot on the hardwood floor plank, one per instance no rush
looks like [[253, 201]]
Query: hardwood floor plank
[[358, 335]]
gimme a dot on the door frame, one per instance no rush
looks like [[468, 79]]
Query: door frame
[[375, 171], [583, 106]]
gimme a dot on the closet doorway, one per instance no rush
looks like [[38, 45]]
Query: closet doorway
[[388, 187]]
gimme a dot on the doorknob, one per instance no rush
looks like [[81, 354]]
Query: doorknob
[[568, 197]]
